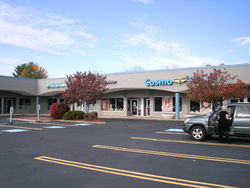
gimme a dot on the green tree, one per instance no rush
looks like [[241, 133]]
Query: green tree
[[30, 70]]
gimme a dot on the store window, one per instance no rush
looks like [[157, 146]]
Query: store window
[[202, 107], [236, 100], [92, 106], [194, 106], [112, 104], [180, 107], [165, 104], [51, 101], [24, 103], [8, 102], [1, 105], [158, 104]]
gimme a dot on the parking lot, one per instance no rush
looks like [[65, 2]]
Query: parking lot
[[119, 153]]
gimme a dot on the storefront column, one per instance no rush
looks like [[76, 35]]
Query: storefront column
[[177, 106], [37, 103], [125, 105], [17, 105], [142, 107], [2, 106]]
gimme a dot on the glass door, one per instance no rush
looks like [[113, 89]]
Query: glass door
[[134, 105], [8, 102]]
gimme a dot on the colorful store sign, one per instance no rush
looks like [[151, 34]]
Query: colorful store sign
[[184, 79], [55, 85]]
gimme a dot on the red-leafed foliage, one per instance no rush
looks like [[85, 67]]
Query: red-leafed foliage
[[216, 86], [58, 109], [84, 87]]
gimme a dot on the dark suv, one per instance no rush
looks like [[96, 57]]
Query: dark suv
[[199, 127]]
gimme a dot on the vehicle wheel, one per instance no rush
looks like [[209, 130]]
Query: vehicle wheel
[[198, 133]]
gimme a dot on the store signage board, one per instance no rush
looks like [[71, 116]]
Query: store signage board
[[182, 80], [63, 84], [55, 85]]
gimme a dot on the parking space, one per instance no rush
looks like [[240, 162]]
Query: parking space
[[18, 126], [121, 153]]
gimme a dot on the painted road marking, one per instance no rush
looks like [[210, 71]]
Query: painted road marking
[[14, 130], [161, 132], [175, 130], [54, 127], [190, 142], [60, 124], [168, 154], [83, 124], [19, 127], [133, 174]]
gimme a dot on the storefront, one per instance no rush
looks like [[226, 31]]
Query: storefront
[[154, 93]]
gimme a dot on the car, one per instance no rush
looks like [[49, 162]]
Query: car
[[204, 126]]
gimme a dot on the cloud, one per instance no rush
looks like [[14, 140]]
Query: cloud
[[188, 61], [10, 61], [164, 51], [37, 30], [147, 2], [143, 39], [242, 40], [151, 37]]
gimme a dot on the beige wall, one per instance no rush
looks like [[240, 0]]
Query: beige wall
[[128, 85], [125, 81]]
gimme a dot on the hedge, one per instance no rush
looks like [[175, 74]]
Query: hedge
[[58, 109]]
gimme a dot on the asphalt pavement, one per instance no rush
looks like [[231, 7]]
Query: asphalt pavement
[[119, 153]]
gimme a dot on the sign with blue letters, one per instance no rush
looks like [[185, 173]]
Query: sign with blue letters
[[184, 79], [55, 85]]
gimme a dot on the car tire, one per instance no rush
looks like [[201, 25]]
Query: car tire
[[198, 133]]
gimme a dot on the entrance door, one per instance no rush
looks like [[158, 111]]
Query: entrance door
[[8, 103], [134, 106]]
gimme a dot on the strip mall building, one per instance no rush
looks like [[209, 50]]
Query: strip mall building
[[159, 93]]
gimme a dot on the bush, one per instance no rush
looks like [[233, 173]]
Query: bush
[[73, 115], [90, 116], [58, 109]]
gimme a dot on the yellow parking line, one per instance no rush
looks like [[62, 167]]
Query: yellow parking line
[[161, 132], [133, 174], [168, 154], [191, 142], [30, 128]]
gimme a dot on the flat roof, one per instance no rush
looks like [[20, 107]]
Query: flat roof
[[146, 71]]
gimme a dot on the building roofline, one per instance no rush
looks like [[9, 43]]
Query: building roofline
[[18, 78], [146, 71], [182, 69]]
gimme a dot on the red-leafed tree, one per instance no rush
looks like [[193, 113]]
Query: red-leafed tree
[[84, 88], [216, 86]]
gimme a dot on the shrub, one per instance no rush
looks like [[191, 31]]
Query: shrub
[[90, 116], [58, 109], [73, 115]]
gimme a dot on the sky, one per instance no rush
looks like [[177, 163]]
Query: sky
[[109, 36]]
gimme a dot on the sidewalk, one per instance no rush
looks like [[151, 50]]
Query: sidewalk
[[46, 117], [139, 118]]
